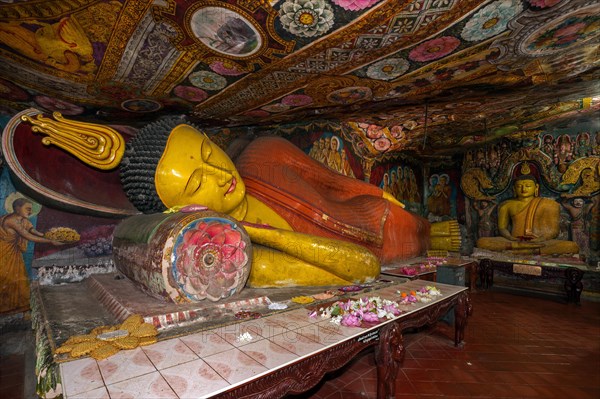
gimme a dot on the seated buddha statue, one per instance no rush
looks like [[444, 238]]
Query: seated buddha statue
[[310, 225], [528, 223]]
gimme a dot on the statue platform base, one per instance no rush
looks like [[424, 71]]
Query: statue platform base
[[568, 277], [108, 299]]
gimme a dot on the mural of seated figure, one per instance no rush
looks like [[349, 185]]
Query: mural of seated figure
[[528, 223]]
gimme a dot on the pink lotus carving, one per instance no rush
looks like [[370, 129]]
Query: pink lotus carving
[[212, 261]]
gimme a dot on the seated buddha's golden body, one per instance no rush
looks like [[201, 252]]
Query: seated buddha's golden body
[[533, 221]]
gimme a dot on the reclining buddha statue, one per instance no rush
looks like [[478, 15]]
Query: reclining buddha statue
[[528, 223], [309, 225]]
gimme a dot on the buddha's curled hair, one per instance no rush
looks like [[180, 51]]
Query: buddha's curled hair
[[140, 160]]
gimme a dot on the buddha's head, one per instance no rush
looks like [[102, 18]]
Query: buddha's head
[[526, 186], [169, 163], [194, 170]]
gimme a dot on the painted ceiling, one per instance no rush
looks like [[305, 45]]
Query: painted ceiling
[[431, 75]]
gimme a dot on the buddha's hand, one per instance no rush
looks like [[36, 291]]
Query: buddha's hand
[[506, 234], [538, 239], [526, 245]]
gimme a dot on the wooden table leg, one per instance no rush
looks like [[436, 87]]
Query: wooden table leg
[[389, 354], [462, 310], [573, 285], [473, 272], [486, 273]]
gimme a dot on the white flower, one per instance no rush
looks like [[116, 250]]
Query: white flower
[[307, 18], [277, 306], [245, 337]]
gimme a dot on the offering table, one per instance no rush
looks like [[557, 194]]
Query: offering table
[[536, 270], [285, 352]]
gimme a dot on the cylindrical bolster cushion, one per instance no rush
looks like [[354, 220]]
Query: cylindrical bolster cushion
[[184, 257]]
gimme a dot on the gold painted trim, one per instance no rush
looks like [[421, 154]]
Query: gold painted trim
[[129, 18], [96, 145], [378, 15], [42, 9]]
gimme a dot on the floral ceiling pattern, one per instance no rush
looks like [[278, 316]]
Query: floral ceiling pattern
[[445, 73]]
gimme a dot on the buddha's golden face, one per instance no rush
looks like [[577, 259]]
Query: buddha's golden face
[[526, 188], [194, 170]]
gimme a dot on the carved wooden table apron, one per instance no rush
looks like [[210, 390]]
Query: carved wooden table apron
[[572, 275], [304, 374]]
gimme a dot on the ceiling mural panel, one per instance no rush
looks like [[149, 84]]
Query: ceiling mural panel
[[439, 74]]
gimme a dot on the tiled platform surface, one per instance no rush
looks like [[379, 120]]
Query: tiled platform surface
[[516, 347], [208, 362]]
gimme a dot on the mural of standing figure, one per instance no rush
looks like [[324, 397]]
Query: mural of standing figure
[[15, 231], [438, 202], [578, 210], [486, 223], [548, 145], [596, 148], [563, 153], [583, 148]]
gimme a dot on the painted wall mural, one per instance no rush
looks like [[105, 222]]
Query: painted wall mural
[[329, 150], [34, 239], [18, 233], [400, 180]]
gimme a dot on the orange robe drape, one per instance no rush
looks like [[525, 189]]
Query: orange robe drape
[[316, 200]]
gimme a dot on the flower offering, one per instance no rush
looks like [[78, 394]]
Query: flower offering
[[424, 294], [360, 312]]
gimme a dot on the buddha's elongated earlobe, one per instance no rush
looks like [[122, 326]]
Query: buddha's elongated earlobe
[[537, 190]]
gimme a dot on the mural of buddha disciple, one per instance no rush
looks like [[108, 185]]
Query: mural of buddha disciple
[[385, 183], [528, 223], [401, 187], [313, 152], [336, 157], [347, 169], [438, 202], [394, 183], [414, 187]]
